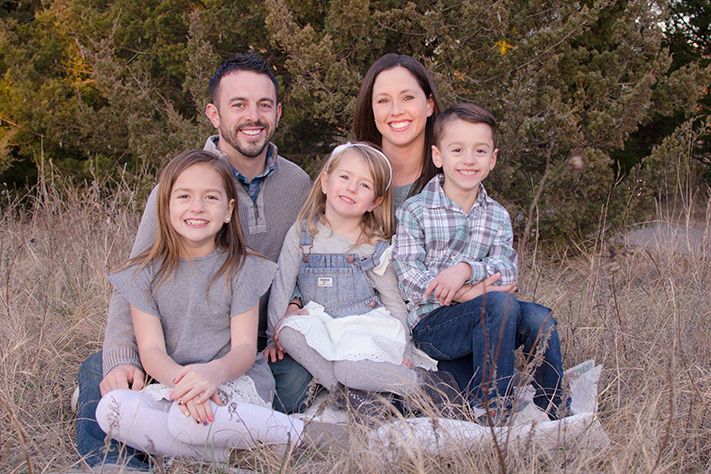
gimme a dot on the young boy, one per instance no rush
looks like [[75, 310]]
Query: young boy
[[456, 267]]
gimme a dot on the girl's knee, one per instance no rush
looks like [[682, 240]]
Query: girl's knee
[[376, 376], [115, 406], [290, 338], [181, 426], [184, 428]]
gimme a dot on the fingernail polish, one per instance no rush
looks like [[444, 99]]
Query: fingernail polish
[[197, 421], [180, 402], [187, 413], [210, 419], [204, 422], [197, 402], [171, 400]]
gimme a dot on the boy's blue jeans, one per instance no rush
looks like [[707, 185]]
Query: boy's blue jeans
[[476, 341]]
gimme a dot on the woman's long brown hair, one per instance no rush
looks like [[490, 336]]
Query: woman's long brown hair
[[364, 128]]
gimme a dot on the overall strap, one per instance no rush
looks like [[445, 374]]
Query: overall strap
[[307, 241], [372, 260]]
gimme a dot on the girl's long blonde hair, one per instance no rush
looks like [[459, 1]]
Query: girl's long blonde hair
[[167, 246], [377, 224]]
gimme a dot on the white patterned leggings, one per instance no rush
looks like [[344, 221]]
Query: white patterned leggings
[[161, 428]]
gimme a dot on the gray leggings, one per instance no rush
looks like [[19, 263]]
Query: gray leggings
[[361, 375]]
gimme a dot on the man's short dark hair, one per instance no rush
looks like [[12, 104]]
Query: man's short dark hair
[[467, 112], [240, 62]]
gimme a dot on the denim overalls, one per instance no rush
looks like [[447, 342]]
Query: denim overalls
[[338, 281]]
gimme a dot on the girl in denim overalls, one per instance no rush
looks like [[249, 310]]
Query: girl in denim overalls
[[352, 330]]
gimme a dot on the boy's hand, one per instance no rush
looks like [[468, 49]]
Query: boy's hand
[[467, 293], [272, 353], [448, 282]]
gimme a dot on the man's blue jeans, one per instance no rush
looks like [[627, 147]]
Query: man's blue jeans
[[476, 341], [91, 440], [291, 396], [292, 380]]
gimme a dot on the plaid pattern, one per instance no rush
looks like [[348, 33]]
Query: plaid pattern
[[434, 233], [252, 187]]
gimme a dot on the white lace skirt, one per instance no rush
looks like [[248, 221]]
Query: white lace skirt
[[241, 389], [375, 336]]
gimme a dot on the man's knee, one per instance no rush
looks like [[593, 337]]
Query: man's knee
[[91, 370], [292, 381], [89, 378]]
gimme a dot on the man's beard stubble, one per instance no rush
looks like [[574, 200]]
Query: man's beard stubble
[[230, 136]]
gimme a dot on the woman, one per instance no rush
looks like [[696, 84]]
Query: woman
[[396, 108]]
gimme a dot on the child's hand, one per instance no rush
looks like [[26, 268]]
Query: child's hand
[[200, 412], [272, 353], [295, 308], [448, 282], [467, 293], [194, 386]]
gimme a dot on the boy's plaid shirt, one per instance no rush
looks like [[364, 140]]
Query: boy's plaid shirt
[[434, 233]]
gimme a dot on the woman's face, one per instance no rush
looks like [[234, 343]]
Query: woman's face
[[400, 108]]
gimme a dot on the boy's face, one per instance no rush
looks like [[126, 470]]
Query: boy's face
[[466, 154]]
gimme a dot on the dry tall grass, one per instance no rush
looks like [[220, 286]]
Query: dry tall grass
[[647, 322]]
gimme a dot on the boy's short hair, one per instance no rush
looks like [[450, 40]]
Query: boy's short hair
[[464, 111], [240, 62]]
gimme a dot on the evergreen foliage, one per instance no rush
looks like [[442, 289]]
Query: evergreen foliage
[[95, 85]]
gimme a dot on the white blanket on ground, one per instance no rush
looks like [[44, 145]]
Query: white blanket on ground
[[529, 427]]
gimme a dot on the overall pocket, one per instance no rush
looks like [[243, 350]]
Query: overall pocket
[[327, 286]]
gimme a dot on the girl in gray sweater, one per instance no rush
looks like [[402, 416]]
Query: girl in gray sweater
[[194, 302]]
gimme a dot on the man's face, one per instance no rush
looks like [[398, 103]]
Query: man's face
[[246, 114]]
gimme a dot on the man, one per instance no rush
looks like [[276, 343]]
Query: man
[[244, 108]]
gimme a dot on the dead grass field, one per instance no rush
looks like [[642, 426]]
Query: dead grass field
[[645, 314]]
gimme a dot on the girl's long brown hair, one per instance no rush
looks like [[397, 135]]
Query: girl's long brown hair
[[364, 128], [167, 246], [376, 224]]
